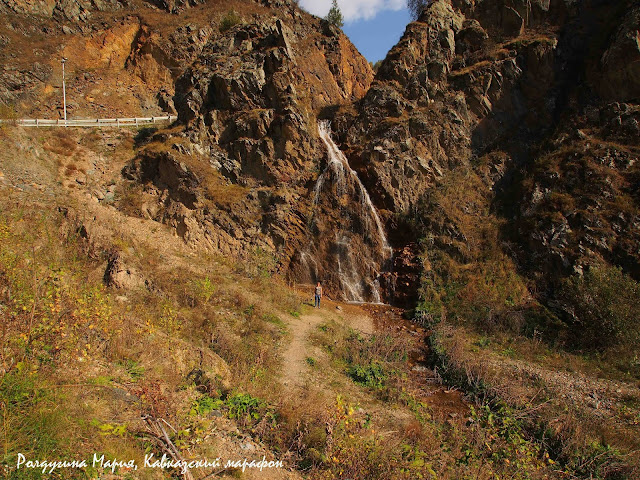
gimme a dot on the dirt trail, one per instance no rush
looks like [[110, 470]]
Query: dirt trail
[[295, 366]]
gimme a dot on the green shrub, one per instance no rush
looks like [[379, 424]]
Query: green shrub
[[372, 375], [204, 405], [602, 306], [133, 368], [230, 19], [243, 406], [204, 289]]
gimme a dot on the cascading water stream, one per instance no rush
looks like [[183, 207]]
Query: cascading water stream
[[339, 164], [356, 269]]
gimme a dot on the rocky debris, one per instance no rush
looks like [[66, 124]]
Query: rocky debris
[[70, 10], [121, 276], [175, 6], [597, 397]]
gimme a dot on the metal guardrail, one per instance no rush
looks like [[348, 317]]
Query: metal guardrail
[[91, 122]]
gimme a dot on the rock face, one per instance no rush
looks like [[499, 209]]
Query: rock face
[[71, 10], [524, 112], [238, 175], [411, 128], [239, 178], [617, 75], [175, 6], [518, 95], [121, 55]]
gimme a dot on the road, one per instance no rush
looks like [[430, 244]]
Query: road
[[91, 122]]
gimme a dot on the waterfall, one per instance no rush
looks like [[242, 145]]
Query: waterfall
[[359, 248], [339, 164]]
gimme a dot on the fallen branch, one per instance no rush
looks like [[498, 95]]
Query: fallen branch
[[159, 434]]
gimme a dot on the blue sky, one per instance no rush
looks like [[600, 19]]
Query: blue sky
[[374, 26]]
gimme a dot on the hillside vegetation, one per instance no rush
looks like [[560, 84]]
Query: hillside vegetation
[[155, 283], [199, 345]]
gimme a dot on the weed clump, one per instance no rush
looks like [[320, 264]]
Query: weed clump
[[230, 20], [373, 375]]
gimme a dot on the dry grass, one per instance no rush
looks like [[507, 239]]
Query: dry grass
[[530, 379], [61, 143]]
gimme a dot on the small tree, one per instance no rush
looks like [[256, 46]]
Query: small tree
[[334, 17], [416, 7], [603, 304]]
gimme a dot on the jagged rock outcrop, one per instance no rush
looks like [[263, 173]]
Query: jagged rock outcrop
[[518, 94], [159, 59], [535, 99], [617, 75], [175, 6], [239, 177], [70, 10], [121, 276]]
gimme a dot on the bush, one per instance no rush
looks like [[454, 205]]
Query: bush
[[372, 375], [603, 307], [230, 20], [243, 406]]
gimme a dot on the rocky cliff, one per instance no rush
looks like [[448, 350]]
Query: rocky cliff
[[527, 113], [501, 132], [238, 175]]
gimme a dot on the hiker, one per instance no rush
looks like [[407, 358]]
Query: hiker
[[318, 296]]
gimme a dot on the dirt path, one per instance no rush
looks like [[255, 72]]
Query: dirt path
[[295, 367]]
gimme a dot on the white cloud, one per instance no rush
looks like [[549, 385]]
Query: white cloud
[[353, 10]]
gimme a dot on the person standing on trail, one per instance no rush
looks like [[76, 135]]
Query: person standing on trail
[[318, 295]]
